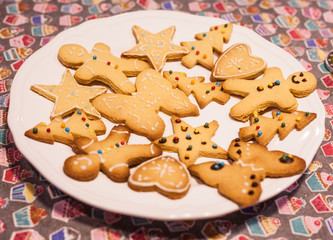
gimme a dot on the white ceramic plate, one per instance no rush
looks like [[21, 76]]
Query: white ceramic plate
[[28, 108]]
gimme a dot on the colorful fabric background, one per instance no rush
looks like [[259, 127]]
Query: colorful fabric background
[[32, 208]]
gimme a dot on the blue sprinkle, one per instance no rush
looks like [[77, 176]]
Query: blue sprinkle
[[94, 57], [79, 112], [67, 129], [192, 47], [214, 146], [277, 82], [259, 134], [218, 84], [278, 113], [99, 151]]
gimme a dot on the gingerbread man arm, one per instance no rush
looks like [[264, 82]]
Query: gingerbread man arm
[[239, 87], [240, 184]]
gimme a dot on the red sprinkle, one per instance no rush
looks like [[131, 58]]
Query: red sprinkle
[[213, 87], [178, 120], [258, 127], [177, 78], [83, 118], [216, 27], [122, 143], [108, 63], [197, 52], [48, 130]]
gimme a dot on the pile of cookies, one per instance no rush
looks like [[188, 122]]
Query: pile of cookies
[[80, 104]]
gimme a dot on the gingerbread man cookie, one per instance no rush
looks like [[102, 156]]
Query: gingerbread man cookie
[[204, 93], [263, 129], [114, 157], [140, 110], [165, 175], [156, 48], [191, 143], [202, 51], [272, 90], [78, 125], [238, 62], [101, 65], [68, 96], [240, 184], [274, 163]]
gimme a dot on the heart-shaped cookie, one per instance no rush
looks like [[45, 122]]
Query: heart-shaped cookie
[[164, 174], [237, 62]]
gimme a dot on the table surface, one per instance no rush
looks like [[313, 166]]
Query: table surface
[[302, 28]]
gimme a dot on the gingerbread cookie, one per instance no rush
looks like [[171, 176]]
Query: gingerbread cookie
[[204, 93], [238, 62], [78, 125], [272, 90], [101, 65], [202, 51], [114, 157], [217, 36], [68, 96], [274, 163], [165, 175], [140, 110], [156, 48], [240, 184], [191, 143], [263, 129]]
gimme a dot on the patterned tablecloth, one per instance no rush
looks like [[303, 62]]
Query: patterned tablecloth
[[302, 28]]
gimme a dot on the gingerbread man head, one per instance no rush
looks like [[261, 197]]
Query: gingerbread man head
[[301, 83], [73, 55]]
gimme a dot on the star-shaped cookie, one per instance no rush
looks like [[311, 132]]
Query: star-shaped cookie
[[191, 143], [68, 96], [157, 48]]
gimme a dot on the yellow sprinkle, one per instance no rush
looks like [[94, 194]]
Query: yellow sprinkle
[[290, 156], [270, 84], [255, 113], [196, 131], [280, 117], [298, 119], [181, 73], [43, 124], [105, 149], [223, 30], [63, 125], [91, 131]]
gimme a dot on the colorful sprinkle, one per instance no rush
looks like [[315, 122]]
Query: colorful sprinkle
[[188, 136], [213, 87], [178, 120], [196, 131], [117, 145], [170, 72], [197, 52], [162, 140], [87, 125], [192, 82], [206, 125], [183, 128], [214, 145], [67, 129], [192, 47], [255, 113], [99, 151], [187, 156], [307, 114], [278, 113], [256, 120], [257, 127], [218, 84], [175, 139], [48, 130], [176, 78], [34, 130], [79, 112], [259, 134], [298, 119], [260, 88], [283, 125], [94, 57], [204, 56], [189, 148], [280, 118], [63, 125], [277, 82], [207, 92], [205, 34]]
